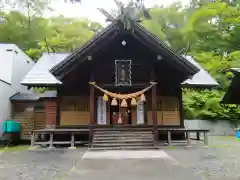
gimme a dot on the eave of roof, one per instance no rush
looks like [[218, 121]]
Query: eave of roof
[[180, 59], [32, 96], [88, 45]]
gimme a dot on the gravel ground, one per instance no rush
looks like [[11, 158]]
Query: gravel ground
[[39, 165], [220, 161]]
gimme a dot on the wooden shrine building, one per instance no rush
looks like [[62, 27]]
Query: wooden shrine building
[[120, 78]]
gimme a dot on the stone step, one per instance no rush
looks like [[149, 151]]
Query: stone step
[[122, 132], [122, 140], [117, 139], [123, 148], [124, 129], [123, 135], [122, 144]]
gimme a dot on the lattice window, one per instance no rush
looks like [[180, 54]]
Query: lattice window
[[170, 103], [165, 103], [74, 103]]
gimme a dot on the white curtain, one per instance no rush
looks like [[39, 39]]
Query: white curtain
[[140, 112], [101, 110]]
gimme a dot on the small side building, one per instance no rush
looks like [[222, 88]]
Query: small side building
[[14, 65], [29, 109]]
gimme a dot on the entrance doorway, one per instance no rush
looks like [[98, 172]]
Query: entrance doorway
[[120, 115]]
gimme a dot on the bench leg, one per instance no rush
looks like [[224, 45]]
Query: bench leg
[[188, 139], [32, 146], [169, 138], [51, 140], [33, 139], [198, 136], [205, 139], [72, 142]]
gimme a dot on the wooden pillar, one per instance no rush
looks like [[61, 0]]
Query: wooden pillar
[[33, 139], [181, 109], [169, 138], [72, 141], [92, 121], [205, 139], [58, 102], [154, 113], [198, 136], [188, 139], [51, 140]]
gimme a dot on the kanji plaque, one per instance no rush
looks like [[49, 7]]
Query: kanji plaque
[[123, 72]]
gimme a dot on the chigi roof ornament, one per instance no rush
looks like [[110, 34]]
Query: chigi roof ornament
[[127, 13]]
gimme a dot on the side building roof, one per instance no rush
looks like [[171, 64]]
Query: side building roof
[[39, 75], [32, 96], [201, 79]]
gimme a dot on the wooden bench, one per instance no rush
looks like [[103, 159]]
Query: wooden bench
[[187, 131], [52, 132]]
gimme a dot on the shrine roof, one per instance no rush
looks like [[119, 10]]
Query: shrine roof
[[116, 29]]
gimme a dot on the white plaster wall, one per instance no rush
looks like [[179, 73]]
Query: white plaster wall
[[217, 128], [20, 67]]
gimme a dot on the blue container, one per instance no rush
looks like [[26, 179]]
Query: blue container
[[10, 126], [238, 134]]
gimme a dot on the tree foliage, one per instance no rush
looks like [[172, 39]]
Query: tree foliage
[[209, 30], [56, 34]]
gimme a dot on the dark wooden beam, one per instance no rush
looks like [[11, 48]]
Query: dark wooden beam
[[91, 109], [132, 86], [181, 108], [154, 108]]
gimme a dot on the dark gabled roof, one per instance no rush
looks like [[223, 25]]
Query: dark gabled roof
[[32, 96], [161, 45], [80, 51], [232, 96], [108, 34]]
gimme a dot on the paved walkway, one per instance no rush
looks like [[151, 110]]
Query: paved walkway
[[121, 155], [129, 165], [84, 165]]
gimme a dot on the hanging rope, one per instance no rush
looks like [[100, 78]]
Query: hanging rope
[[123, 96]]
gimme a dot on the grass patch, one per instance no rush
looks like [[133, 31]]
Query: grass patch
[[220, 145], [171, 147], [14, 148], [226, 137]]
